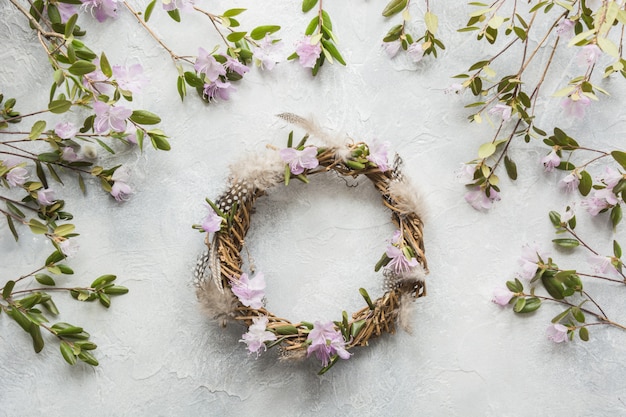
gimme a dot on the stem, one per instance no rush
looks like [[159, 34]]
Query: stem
[[213, 19], [36, 24], [594, 303]]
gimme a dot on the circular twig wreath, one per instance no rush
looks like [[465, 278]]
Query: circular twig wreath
[[227, 293]]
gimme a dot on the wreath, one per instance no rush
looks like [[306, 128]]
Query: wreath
[[227, 293]]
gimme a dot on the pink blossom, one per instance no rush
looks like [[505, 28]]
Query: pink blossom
[[208, 65], [396, 237], [575, 105], [234, 65], [307, 52], [565, 28], [66, 11], [69, 247], [502, 296], [100, 9], [69, 154], [570, 182], [551, 161], [531, 256], [588, 55], [326, 342], [65, 130], [454, 88], [257, 335], [45, 196], [602, 264], [130, 79], [594, 205], [218, 88], [110, 117], [120, 190], [268, 53], [415, 52], [465, 174], [378, 155], [17, 176], [568, 215], [131, 134], [250, 291], [399, 263], [392, 48], [557, 333], [611, 177], [184, 5], [501, 110], [477, 198], [97, 82], [212, 222], [300, 160]]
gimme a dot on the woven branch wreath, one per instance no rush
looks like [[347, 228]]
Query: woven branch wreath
[[227, 293]]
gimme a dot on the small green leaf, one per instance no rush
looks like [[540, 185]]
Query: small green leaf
[[70, 25], [38, 127], [66, 349], [233, 12], [532, 304], [174, 14], [81, 67], [147, 14], [103, 280], [519, 304], [308, 5], [54, 257], [64, 229], [584, 186], [432, 22], [486, 150], [578, 314], [515, 286], [555, 219], [616, 215], [44, 279], [511, 168], [561, 315], [105, 66], [367, 298], [235, 36], [553, 286], [356, 328], [259, 32], [37, 227], [116, 290], [88, 358], [8, 289], [59, 106], [287, 329], [394, 7], [620, 157], [35, 334], [617, 250], [144, 117], [566, 242], [583, 333]]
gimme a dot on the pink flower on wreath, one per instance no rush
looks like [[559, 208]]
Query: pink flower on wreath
[[65, 130], [130, 79], [502, 110], [250, 291], [69, 247], [588, 55], [300, 160], [611, 177], [415, 52], [326, 342], [392, 48], [235, 66], [379, 155], [602, 264], [502, 296], [465, 174], [120, 190], [218, 88], [17, 176], [268, 53], [565, 28], [45, 197], [97, 82], [575, 105], [478, 198], [212, 222], [308, 53], [100, 9], [183, 5], [570, 182], [557, 333], [110, 117], [531, 256], [400, 264], [551, 161], [208, 65], [257, 335]]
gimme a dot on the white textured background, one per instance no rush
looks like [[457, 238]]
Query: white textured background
[[316, 244]]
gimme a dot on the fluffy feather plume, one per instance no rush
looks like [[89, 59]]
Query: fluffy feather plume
[[407, 198], [260, 170], [220, 306], [314, 130], [406, 308]]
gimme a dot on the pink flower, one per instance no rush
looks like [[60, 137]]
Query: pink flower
[[69, 154], [602, 264], [326, 342], [250, 291], [300, 160], [235, 66], [575, 105], [392, 48], [268, 53], [570, 182], [378, 155], [594, 205], [17, 176], [568, 215], [307, 52], [218, 88], [208, 65], [611, 177], [212, 222], [531, 256], [565, 28], [100, 9], [557, 333], [257, 335], [131, 134], [65, 130], [110, 117], [399, 263], [551, 161], [66, 11], [415, 52], [97, 82], [130, 79], [501, 110], [477, 198], [465, 174], [502, 296], [184, 5], [454, 88], [68, 247], [120, 190], [45, 196], [588, 55]]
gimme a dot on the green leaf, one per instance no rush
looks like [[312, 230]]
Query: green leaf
[[515, 286], [511, 168], [578, 314], [566, 242], [20, 319], [332, 50], [35, 334], [103, 280], [66, 349], [259, 32], [617, 250], [59, 106], [64, 269], [555, 219], [620, 157], [144, 117], [116, 290], [12, 227], [532, 304], [367, 298], [486, 150], [583, 333], [432, 22], [174, 14], [8, 289], [88, 358], [69, 26], [616, 215], [553, 286], [44, 279], [54, 257], [584, 186], [38, 127], [394, 7], [37, 227], [105, 66], [519, 304], [308, 5], [561, 315], [146, 17], [233, 12], [64, 229], [286, 329], [81, 67], [356, 328], [236, 36]]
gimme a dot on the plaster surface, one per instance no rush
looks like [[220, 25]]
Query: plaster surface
[[316, 244]]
